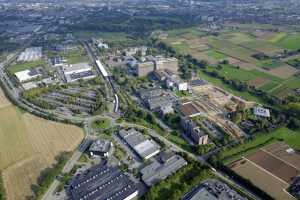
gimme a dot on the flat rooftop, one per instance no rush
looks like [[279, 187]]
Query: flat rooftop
[[161, 168], [102, 182], [188, 109], [144, 147]]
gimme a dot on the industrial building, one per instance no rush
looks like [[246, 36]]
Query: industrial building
[[162, 167], [157, 99], [213, 189], [261, 112], [78, 71], [143, 147], [101, 147], [30, 54], [189, 109], [29, 74], [144, 68], [102, 182], [57, 61]]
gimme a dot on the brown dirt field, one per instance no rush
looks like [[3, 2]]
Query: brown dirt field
[[263, 180], [258, 82], [275, 166], [3, 100], [283, 72], [278, 150], [28, 145]]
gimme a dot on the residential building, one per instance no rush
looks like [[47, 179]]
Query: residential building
[[171, 80], [193, 131], [162, 167], [78, 71], [102, 182], [101, 147], [145, 68], [143, 147]]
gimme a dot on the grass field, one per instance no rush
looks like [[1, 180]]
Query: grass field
[[101, 123], [26, 65], [277, 37], [28, 145], [238, 47], [290, 41]]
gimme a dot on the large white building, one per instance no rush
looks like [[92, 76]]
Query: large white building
[[29, 74], [30, 54], [78, 71]]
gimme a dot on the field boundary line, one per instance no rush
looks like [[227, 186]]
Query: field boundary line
[[261, 168], [284, 190], [280, 159]]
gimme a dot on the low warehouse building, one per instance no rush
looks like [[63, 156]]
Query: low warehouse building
[[160, 169], [142, 146], [101, 148], [29, 74], [78, 71], [102, 182]]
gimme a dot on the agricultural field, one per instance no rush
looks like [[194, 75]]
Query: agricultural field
[[28, 145], [271, 75], [262, 179], [273, 165]]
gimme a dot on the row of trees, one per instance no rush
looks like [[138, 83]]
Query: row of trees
[[175, 186], [2, 189], [48, 175]]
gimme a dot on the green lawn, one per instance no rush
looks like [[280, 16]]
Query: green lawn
[[269, 86], [270, 64], [291, 42], [277, 37], [292, 138], [101, 123], [26, 65], [216, 55], [76, 56]]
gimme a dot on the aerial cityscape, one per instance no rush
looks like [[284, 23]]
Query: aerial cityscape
[[149, 100]]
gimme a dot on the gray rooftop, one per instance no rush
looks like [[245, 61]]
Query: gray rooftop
[[100, 146], [101, 182], [144, 147], [160, 169]]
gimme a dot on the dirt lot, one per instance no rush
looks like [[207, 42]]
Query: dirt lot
[[258, 82], [284, 72], [28, 145], [263, 180], [278, 167]]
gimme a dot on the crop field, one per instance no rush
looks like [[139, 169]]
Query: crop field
[[274, 165], [238, 47], [262, 179], [28, 145]]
